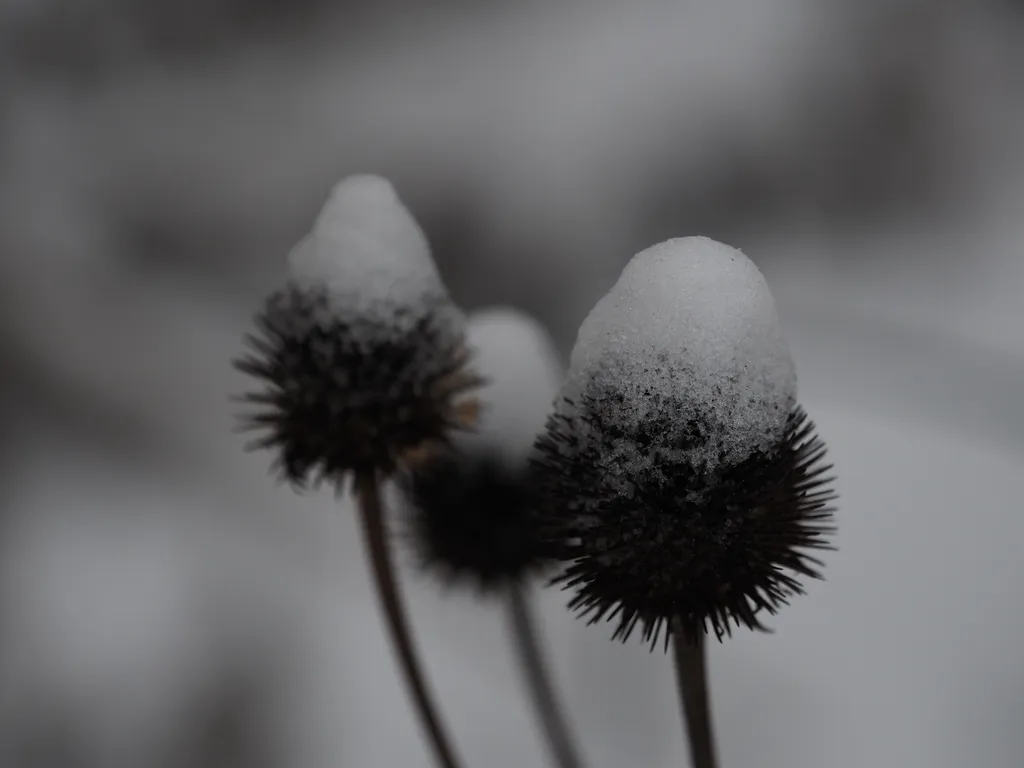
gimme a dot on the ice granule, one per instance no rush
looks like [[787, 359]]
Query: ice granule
[[690, 325], [516, 355], [368, 253]]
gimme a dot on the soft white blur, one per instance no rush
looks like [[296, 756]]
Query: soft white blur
[[164, 604]]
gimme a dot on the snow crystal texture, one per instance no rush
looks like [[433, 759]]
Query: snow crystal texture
[[516, 355], [690, 325], [368, 253]]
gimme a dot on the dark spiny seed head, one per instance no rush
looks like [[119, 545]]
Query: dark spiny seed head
[[473, 517], [345, 392], [658, 542]]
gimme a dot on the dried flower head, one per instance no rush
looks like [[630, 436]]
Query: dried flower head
[[361, 356], [472, 509], [472, 519], [681, 482]]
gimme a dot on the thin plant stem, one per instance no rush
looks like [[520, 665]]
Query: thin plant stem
[[375, 533], [692, 681], [538, 681]]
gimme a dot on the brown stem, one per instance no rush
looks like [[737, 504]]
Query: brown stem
[[538, 680], [372, 514], [691, 678]]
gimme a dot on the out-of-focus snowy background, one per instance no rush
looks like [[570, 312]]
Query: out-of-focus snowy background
[[164, 605]]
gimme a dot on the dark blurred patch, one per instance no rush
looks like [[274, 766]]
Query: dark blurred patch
[[872, 143], [481, 269], [89, 39], [229, 728], [32, 397], [227, 724], [462, 249], [166, 243], [46, 738], [81, 40], [192, 27]]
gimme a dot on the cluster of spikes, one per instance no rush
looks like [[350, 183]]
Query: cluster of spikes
[[343, 396], [702, 551], [671, 546]]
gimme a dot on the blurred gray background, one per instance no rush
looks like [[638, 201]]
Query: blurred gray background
[[164, 605]]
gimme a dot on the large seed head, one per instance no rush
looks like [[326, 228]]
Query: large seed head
[[681, 483]]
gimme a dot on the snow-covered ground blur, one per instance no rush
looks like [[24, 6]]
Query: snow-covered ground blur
[[163, 604]]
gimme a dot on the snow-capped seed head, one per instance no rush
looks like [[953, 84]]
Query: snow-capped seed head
[[680, 481], [472, 510], [361, 356]]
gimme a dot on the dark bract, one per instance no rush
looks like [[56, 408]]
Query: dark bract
[[473, 518], [351, 394], [698, 548]]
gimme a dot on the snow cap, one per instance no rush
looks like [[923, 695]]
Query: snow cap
[[367, 250], [690, 325], [517, 357]]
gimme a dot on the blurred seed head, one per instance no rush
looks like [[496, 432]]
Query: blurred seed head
[[472, 519], [472, 509]]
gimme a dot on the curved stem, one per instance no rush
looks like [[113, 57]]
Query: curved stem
[[691, 678], [538, 681], [372, 514]]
